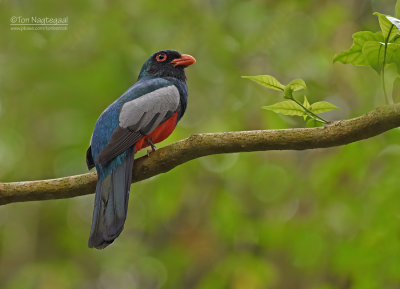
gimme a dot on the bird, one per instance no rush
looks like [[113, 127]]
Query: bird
[[147, 113]]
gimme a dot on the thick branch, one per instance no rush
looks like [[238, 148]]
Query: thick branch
[[199, 145]]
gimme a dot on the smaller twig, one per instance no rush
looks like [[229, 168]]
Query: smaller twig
[[309, 112]]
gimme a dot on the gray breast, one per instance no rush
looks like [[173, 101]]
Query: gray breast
[[149, 110]]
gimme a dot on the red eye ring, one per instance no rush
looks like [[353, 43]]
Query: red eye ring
[[161, 57]]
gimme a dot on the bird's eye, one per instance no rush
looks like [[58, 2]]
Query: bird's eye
[[161, 57]]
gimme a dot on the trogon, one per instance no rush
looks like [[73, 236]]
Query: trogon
[[145, 114]]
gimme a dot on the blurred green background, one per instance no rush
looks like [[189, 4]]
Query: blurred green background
[[323, 219]]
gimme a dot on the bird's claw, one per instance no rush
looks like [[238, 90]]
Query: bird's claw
[[153, 146]]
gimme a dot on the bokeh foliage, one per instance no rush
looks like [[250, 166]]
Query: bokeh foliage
[[322, 219]]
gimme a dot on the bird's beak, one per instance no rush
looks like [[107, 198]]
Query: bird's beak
[[185, 60]]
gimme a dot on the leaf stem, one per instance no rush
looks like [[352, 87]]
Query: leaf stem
[[309, 112], [389, 100]]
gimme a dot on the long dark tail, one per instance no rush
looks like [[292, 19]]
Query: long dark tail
[[111, 204]]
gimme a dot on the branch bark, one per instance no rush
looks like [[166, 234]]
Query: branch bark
[[165, 159]]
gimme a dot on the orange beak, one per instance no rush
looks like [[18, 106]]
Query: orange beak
[[185, 60]]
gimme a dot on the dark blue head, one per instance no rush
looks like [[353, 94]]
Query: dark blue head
[[166, 63]]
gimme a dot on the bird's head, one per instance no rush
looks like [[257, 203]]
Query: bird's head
[[166, 63]]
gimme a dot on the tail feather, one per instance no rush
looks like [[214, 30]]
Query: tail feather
[[111, 204]]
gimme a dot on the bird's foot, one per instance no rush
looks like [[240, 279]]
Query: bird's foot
[[153, 146]]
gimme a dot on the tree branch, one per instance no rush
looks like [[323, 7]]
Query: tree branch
[[199, 145]]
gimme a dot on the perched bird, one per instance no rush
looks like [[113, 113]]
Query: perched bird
[[145, 114]]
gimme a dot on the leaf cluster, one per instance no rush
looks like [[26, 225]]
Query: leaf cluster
[[292, 106], [376, 49]]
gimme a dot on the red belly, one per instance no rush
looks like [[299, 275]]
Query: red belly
[[159, 134]]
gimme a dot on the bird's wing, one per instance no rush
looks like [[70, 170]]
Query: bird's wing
[[89, 158], [139, 117]]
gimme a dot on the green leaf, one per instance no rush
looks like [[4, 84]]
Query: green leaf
[[374, 52], [306, 105], [267, 81], [395, 22], [297, 84], [288, 92], [393, 54], [354, 54], [389, 31], [322, 106], [398, 9], [396, 90], [294, 85], [286, 107]]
